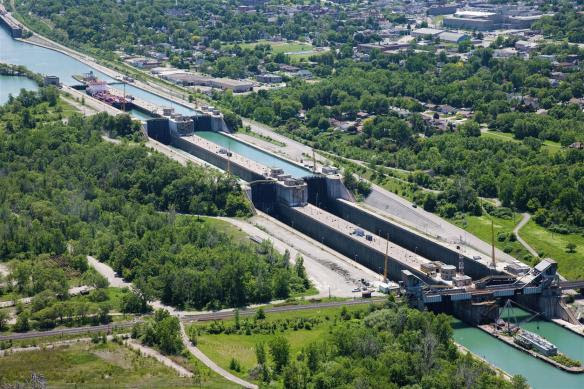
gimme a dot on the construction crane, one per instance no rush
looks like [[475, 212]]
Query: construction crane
[[516, 325]]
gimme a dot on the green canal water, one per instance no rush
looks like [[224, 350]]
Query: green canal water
[[257, 155], [539, 374]]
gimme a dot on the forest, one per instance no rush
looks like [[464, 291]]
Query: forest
[[383, 345], [66, 193], [461, 162]]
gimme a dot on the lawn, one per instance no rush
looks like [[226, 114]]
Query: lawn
[[221, 348], [552, 147], [90, 365], [227, 228], [553, 245], [480, 226], [277, 47]]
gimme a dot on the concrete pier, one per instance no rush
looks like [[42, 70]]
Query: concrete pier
[[10, 23]]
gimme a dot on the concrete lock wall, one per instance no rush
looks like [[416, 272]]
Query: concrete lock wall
[[215, 159], [349, 247], [408, 239]]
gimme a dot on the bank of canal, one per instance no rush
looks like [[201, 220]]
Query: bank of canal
[[539, 374]]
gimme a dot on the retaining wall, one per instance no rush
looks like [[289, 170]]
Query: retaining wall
[[408, 239], [345, 245], [215, 159]]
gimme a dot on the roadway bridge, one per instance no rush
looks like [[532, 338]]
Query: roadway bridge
[[540, 289]]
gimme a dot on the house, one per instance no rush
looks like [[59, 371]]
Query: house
[[525, 46], [303, 73], [269, 78], [577, 145], [447, 109]]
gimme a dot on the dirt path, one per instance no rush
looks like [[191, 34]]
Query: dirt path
[[210, 364], [166, 361], [525, 219]]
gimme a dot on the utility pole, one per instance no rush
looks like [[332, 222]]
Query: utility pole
[[493, 263], [313, 161], [124, 99]]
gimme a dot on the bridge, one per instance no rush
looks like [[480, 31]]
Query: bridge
[[540, 289]]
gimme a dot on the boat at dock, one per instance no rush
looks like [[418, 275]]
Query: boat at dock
[[100, 90], [532, 341]]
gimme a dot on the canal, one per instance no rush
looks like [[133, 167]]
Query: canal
[[252, 153], [539, 374], [11, 85], [50, 62]]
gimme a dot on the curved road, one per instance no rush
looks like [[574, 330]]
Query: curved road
[[518, 227]]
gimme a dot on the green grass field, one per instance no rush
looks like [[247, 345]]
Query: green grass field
[[553, 245], [552, 147], [96, 366], [481, 227], [222, 347], [227, 228], [277, 47]]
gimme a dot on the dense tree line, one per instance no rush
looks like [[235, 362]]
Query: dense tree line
[[566, 23], [385, 346], [461, 163], [64, 192], [136, 27]]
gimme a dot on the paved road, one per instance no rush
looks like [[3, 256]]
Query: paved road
[[524, 220], [402, 211]]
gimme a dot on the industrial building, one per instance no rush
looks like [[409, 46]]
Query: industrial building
[[269, 78], [485, 20], [191, 79], [427, 32], [446, 9], [453, 37]]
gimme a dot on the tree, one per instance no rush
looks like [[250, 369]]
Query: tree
[[260, 314], [260, 350], [280, 352], [22, 324], [295, 376], [571, 247], [3, 320]]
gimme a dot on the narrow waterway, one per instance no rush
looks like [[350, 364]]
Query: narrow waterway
[[11, 85], [51, 62], [254, 154], [539, 374]]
